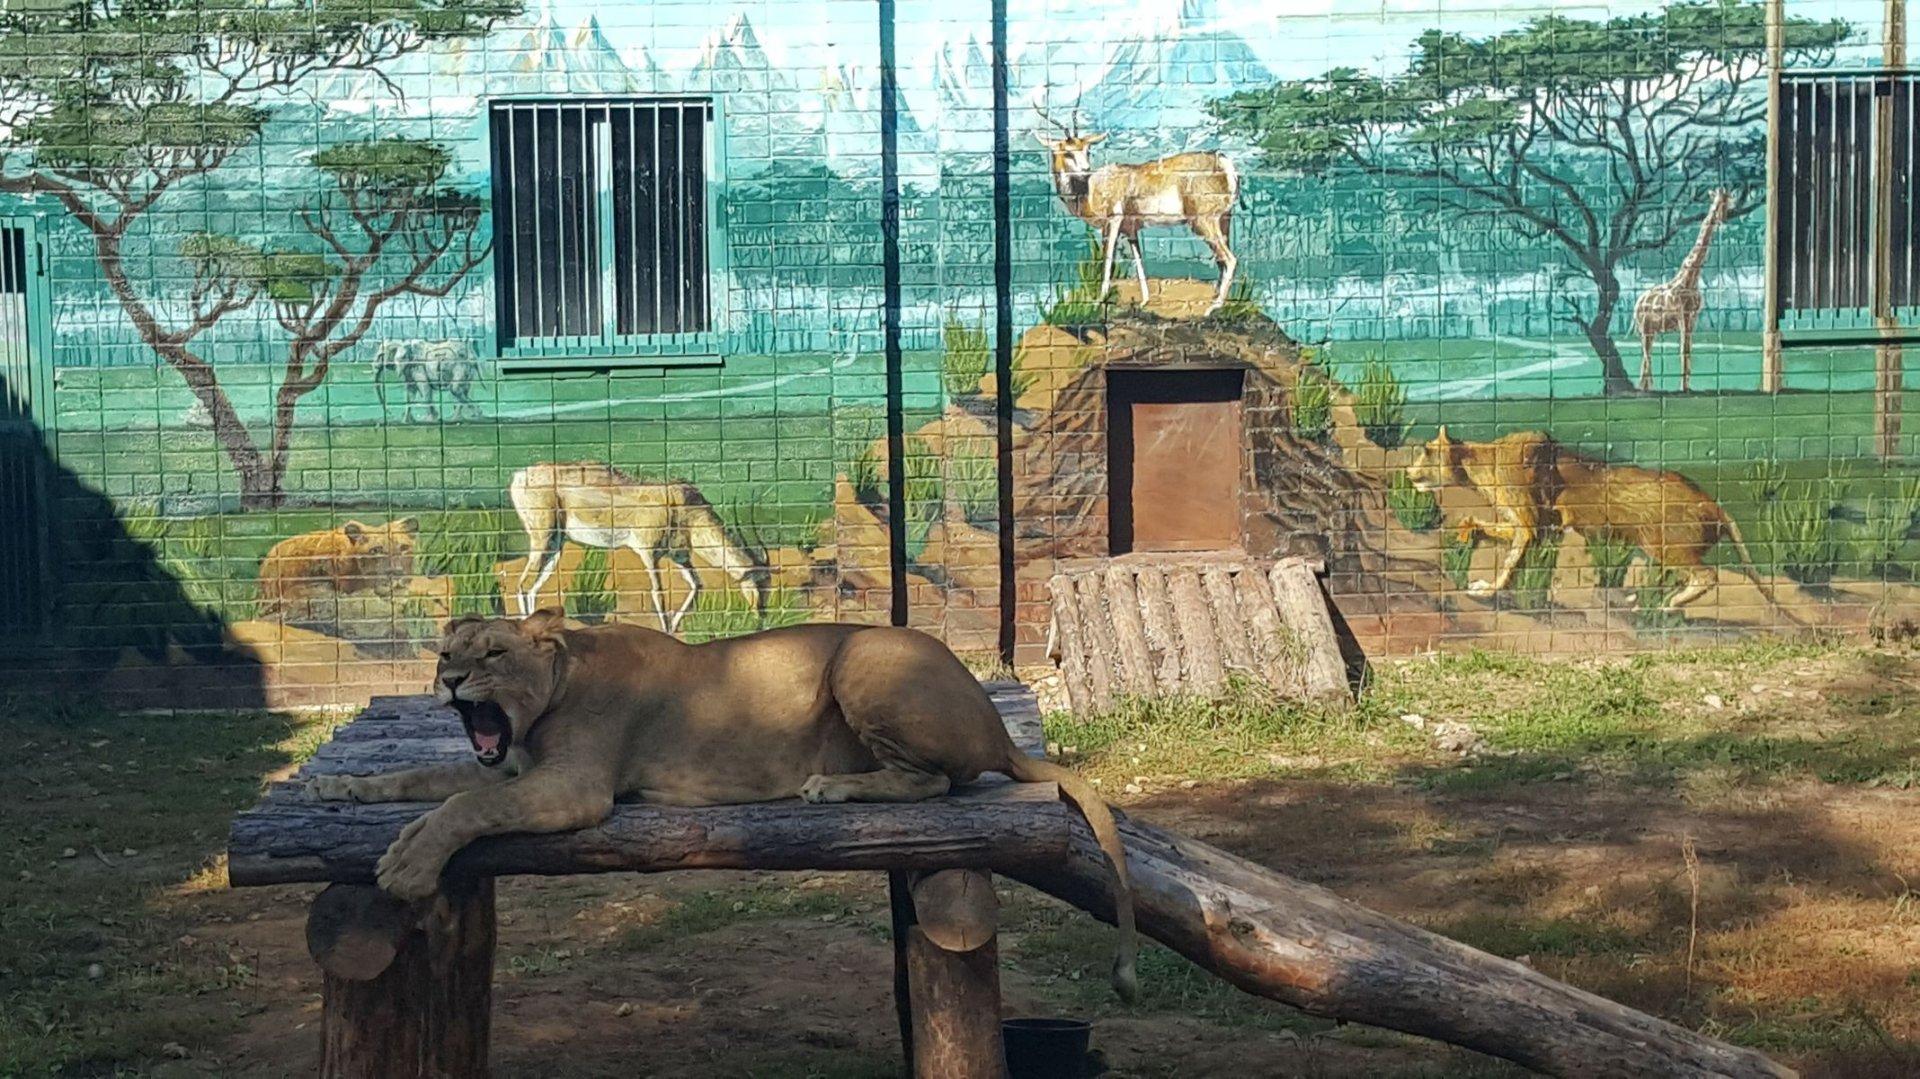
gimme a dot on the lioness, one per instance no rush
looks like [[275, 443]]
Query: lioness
[[1534, 482], [580, 717]]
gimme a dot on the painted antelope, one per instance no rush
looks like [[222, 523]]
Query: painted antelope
[[1197, 190], [596, 505]]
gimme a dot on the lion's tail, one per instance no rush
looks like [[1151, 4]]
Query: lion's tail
[[1753, 568], [1099, 818]]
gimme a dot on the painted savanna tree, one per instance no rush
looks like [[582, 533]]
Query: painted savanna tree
[[1603, 137], [123, 111]]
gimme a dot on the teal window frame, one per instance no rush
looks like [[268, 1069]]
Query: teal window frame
[[610, 349]]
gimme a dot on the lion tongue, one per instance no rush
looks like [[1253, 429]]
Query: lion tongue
[[486, 741]]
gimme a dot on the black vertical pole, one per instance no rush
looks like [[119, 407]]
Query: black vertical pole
[[1003, 328], [890, 318]]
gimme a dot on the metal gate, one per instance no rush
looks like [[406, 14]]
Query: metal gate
[[26, 397]]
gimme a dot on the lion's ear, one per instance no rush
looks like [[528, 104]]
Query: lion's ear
[[354, 531], [409, 525], [544, 623]]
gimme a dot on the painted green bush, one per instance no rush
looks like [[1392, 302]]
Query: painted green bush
[[1380, 405], [1311, 414], [966, 358], [1532, 584], [1799, 527], [465, 546], [1416, 510], [1887, 521], [1080, 304], [590, 595], [973, 479], [1610, 558], [1650, 601], [1242, 303], [1456, 561]]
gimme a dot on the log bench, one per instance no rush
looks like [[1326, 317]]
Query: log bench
[[407, 987]]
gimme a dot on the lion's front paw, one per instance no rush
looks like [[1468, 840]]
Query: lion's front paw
[[820, 789], [411, 867], [1480, 588], [332, 788]]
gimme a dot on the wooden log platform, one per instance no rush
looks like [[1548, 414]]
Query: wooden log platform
[[407, 986]]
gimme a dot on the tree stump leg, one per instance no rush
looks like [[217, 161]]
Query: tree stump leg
[[407, 988], [951, 966]]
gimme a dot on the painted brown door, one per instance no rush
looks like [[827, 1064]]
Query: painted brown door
[[1175, 458]]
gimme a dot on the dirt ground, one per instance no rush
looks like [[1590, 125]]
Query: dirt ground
[[1561, 840]]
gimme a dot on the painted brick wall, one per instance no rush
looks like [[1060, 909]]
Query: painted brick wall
[[1378, 299]]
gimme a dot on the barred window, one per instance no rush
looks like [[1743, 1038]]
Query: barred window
[[1828, 216], [601, 223]]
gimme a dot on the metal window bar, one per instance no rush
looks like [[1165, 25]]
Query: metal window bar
[[601, 225], [1828, 215]]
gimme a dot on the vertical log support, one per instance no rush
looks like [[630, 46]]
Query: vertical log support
[[948, 962], [407, 989], [1772, 364], [1888, 378]]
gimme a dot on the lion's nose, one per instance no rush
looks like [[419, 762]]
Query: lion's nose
[[452, 681]]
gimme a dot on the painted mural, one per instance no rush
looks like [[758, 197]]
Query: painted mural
[[1429, 244]]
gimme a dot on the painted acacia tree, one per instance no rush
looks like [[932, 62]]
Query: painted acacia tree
[[119, 109], [1605, 137]]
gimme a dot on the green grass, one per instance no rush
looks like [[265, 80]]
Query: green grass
[[706, 912], [173, 785], [590, 595], [1800, 533], [1456, 561], [1080, 305], [1610, 558], [1416, 510], [1242, 303], [1532, 585], [973, 479], [1380, 404], [1887, 522], [966, 357], [1311, 414], [465, 546]]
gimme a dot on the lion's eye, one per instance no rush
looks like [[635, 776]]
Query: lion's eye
[[496, 653], [446, 655]]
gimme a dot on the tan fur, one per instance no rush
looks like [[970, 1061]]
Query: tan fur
[[1534, 483], [828, 713], [355, 557], [596, 505], [1192, 190]]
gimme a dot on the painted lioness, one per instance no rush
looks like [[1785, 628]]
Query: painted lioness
[[1534, 482], [563, 721], [315, 567]]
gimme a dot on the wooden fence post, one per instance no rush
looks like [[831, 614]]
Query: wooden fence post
[[408, 988], [952, 966]]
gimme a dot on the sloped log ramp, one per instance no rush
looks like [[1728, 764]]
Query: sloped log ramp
[[1142, 627], [1264, 932], [1300, 944]]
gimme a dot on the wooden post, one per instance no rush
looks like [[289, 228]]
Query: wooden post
[[1772, 364], [1887, 375], [952, 975], [407, 988]]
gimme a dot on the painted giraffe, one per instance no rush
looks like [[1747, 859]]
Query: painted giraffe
[[1674, 304]]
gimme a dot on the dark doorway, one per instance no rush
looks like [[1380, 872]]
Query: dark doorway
[[1174, 459]]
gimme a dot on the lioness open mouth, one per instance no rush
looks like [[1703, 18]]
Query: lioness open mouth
[[487, 729]]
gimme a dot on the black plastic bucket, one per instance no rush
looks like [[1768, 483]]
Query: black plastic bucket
[[1046, 1048]]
